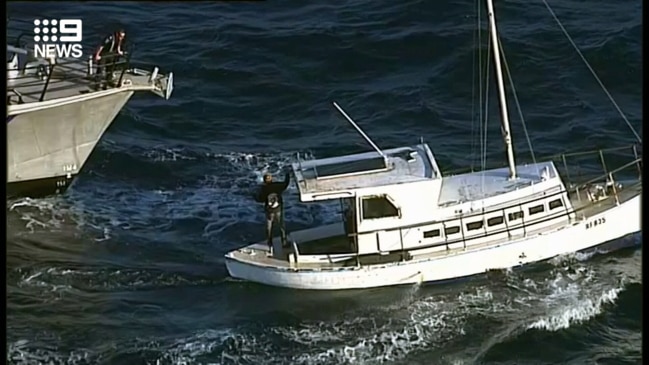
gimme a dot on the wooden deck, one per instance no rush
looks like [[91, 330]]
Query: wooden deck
[[585, 208]]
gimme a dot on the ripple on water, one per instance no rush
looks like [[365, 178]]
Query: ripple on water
[[128, 266]]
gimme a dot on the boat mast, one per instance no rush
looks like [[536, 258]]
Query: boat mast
[[501, 90]]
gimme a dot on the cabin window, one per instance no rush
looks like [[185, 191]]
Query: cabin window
[[474, 225], [432, 234], [451, 230], [537, 209], [555, 204], [495, 221], [515, 215], [379, 207]]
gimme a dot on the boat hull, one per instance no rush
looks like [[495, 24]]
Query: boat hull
[[48, 144], [40, 188], [599, 229]]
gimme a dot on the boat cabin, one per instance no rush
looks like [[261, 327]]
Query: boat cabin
[[398, 201], [377, 192]]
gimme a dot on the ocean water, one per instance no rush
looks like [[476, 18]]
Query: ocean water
[[127, 267]]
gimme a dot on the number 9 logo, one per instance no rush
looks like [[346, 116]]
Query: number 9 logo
[[70, 30]]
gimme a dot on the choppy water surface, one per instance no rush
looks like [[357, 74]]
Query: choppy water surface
[[127, 268]]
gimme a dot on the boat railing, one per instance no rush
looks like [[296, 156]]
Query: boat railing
[[579, 167], [35, 76], [608, 183]]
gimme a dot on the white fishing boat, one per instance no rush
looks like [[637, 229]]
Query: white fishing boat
[[404, 222]]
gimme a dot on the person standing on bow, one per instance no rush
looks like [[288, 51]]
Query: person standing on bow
[[270, 193], [109, 52]]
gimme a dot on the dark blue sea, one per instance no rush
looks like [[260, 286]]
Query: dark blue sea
[[127, 267]]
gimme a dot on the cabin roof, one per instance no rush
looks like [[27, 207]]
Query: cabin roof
[[484, 184], [339, 177]]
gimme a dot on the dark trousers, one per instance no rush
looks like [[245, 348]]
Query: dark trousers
[[274, 219], [106, 66]]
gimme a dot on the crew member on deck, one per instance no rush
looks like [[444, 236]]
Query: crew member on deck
[[270, 193], [109, 53]]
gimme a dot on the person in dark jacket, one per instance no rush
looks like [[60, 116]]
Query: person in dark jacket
[[109, 53], [270, 193]]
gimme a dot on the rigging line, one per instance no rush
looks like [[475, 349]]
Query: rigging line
[[518, 105], [479, 30], [565, 32], [486, 108], [486, 118], [473, 82], [479, 81]]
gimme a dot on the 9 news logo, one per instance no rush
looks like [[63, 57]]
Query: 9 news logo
[[58, 38]]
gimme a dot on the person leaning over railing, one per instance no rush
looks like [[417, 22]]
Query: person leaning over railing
[[108, 54]]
